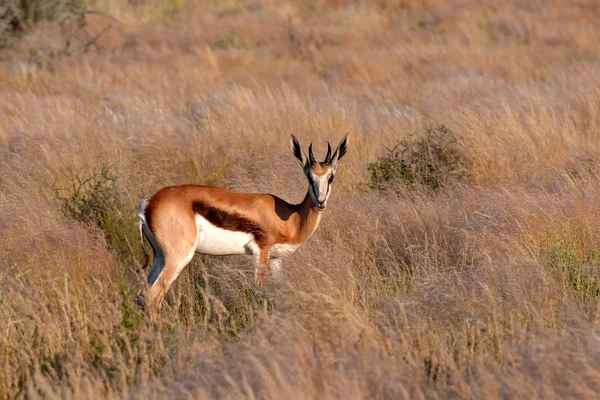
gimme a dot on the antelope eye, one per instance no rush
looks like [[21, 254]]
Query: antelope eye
[[330, 178]]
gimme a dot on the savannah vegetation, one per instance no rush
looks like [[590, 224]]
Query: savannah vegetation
[[459, 254]]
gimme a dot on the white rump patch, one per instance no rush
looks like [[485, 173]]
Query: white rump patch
[[220, 242]]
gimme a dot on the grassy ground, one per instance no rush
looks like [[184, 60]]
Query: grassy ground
[[482, 284]]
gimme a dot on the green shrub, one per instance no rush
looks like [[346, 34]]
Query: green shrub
[[431, 161], [232, 41], [133, 315], [574, 266]]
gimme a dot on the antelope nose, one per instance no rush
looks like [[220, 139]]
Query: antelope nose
[[321, 199]]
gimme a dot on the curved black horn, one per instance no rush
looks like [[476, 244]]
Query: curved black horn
[[311, 156], [328, 156]]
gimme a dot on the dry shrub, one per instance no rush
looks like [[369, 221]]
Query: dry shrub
[[430, 161], [18, 14], [92, 198]]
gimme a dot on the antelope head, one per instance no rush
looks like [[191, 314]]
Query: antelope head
[[320, 175]]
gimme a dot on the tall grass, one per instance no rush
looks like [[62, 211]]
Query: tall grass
[[475, 276]]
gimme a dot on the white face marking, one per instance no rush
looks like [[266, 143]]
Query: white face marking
[[220, 242], [320, 187]]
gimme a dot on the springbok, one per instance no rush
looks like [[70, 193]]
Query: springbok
[[179, 221]]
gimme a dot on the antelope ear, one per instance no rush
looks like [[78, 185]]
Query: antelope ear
[[340, 151], [297, 151]]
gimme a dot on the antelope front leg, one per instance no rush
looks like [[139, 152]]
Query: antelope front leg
[[260, 267]]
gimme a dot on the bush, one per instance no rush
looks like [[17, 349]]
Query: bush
[[575, 267], [232, 41], [17, 15], [430, 161], [91, 198]]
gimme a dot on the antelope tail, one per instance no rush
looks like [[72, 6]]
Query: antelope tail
[[146, 233]]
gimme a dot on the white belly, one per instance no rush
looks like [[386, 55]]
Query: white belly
[[220, 242]]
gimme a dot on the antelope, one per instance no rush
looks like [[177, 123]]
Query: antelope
[[179, 221]]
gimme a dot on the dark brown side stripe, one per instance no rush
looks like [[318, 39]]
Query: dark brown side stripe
[[231, 222]]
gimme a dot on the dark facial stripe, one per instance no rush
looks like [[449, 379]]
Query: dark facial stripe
[[231, 222]]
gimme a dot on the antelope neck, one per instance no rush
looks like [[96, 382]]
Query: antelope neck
[[309, 217]]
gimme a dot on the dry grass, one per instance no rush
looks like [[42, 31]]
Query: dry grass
[[486, 288]]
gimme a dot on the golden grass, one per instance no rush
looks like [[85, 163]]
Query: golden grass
[[485, 289]]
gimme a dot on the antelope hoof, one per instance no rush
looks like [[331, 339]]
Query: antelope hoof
[[155, 311]]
